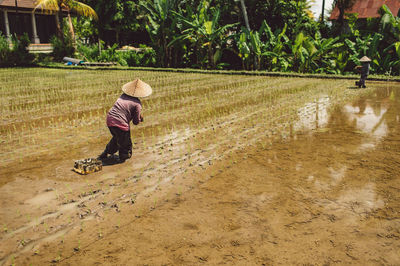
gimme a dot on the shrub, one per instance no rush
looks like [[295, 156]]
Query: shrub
[[145, 57], [43, 58], [109, 54], [20, 55], [88, 52], [92, 53], [5, 51], [131, 58], [62, 48]]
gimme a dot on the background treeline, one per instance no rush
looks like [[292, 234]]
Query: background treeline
[[273, 35]]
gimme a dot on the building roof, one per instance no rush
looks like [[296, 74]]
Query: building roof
[[22, 4], [30, 4], [368, 8]]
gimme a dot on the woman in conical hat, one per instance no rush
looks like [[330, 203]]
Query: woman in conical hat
[[364, 71], [127, 108]]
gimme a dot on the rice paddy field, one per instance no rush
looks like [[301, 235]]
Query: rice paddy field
[[226, 169]]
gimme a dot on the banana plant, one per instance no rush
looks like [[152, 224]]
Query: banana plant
[[383, 62], [390, 27], [340, 62], [299, 51], [263, 44], [161, 26], [320, 52], [203, 26], [274, 49], [390, 23], [244, 50], [256, 45], [391, 60], [368, 46]]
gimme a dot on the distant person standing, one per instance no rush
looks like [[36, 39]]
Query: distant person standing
[[127, 108], [364, 69]]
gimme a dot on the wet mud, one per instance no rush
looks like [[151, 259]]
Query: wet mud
[[325, 192]]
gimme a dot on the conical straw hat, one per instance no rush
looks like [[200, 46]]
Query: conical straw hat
[[365, 59], [137, 88]]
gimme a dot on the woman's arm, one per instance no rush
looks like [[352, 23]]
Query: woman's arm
[[137, 116]]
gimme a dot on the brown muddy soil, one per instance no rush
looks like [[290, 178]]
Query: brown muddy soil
[[327, 193]]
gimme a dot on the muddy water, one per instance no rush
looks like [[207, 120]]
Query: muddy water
[[329, 193], [326, 196]]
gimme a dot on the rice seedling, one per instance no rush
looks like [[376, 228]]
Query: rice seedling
[[52, 112], [57, 259]]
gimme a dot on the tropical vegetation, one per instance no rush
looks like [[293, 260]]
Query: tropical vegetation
[[272, 35], [17, 54], [56, 6]]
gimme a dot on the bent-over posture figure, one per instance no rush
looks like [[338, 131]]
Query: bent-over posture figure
[[127, 108], [364, 71]]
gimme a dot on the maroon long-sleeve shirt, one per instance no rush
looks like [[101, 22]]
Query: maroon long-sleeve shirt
[[125, 109]]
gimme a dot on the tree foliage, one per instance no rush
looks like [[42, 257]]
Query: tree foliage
[[161, 27], [202, 30], [342, 6], [281, 35], [56, 6], [120, 21]]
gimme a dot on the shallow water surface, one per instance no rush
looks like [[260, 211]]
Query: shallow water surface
[[328, 193]]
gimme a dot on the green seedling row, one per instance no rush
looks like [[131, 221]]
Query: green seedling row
[[54, 111]]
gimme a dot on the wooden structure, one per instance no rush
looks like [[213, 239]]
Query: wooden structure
[[78, 62], [39, 25], [368, 8]]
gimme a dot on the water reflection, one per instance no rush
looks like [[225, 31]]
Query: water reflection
[[337, 174], [354, 129], [354, 203], [368, 117], [361, 200], [313, 115]]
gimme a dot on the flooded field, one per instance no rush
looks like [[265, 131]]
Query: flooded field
[[259, 171]]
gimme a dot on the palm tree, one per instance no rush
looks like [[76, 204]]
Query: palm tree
[[56, 6]]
